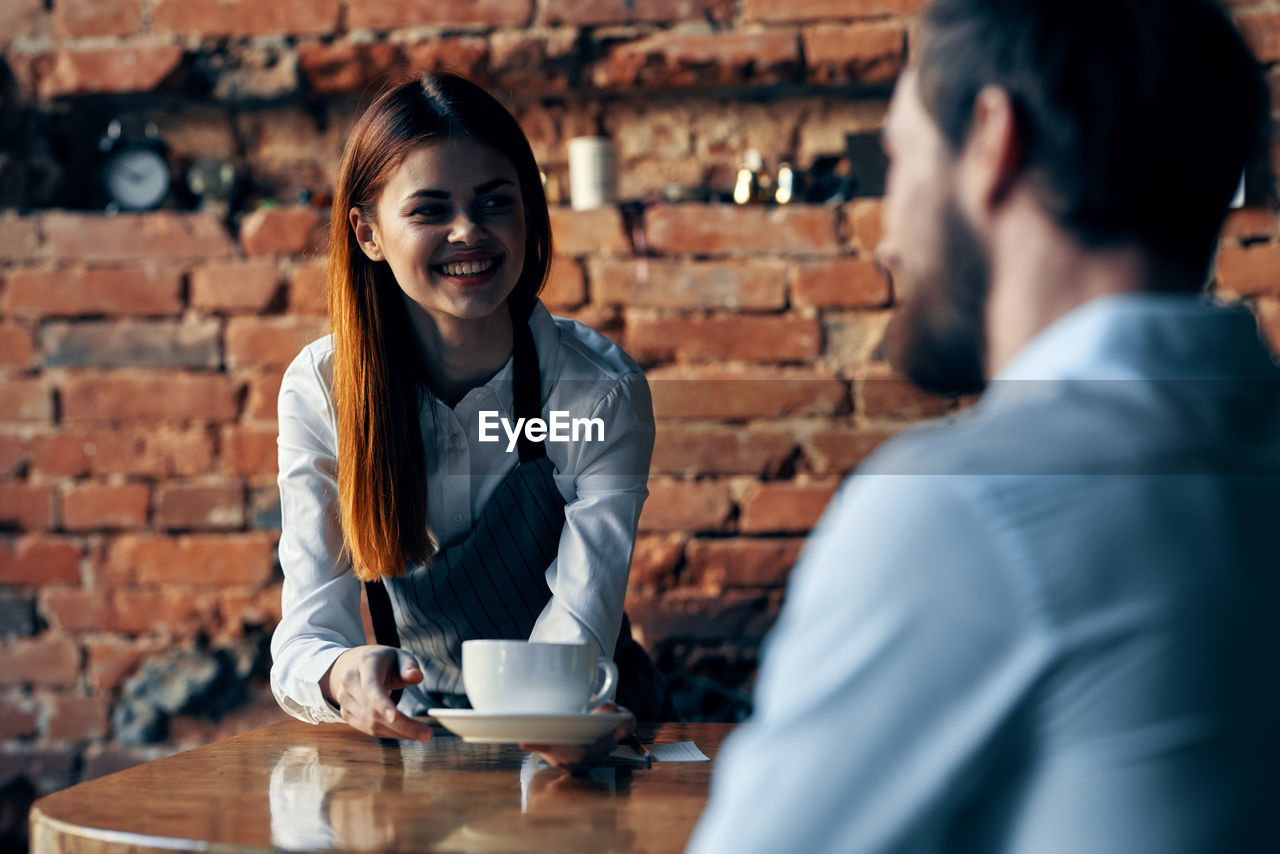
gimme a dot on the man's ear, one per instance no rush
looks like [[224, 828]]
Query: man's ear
[[366, 235], [992, 154]]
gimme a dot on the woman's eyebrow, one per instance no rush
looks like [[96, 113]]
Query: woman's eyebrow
[[430, 194], [491, 185]]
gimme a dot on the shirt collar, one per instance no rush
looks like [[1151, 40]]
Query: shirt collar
[[1144, 335]]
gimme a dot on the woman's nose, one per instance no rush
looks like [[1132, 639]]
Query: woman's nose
[[464, 229]]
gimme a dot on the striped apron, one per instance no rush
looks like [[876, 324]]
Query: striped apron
[[492, 583]]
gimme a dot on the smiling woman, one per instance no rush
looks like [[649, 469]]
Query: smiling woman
[[440, 244]]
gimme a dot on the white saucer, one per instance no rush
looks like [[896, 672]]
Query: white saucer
[[527, 729]]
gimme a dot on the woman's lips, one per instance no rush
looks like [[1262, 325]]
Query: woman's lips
[[469, 273]]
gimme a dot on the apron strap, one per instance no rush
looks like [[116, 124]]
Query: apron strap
[[526, 390]]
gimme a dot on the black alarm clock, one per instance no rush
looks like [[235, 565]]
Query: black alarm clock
[[135, 173]]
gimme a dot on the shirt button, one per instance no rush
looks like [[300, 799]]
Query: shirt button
[[457, 517]]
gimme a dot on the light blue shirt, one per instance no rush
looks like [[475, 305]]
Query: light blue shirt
[[1046, 625]]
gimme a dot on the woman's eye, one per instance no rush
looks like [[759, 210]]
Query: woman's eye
[[496, 204], [431, 211]]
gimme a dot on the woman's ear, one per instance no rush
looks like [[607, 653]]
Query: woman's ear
[[366, 235]]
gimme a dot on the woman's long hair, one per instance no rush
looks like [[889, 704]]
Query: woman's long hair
[[378, 378]]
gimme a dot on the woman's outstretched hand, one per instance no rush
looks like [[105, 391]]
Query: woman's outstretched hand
[[577, 758], [360, 683]]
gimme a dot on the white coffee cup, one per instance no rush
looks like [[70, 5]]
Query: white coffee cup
[[593, 172], [504, 677]]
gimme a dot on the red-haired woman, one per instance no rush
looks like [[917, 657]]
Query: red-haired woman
[[440, 243]]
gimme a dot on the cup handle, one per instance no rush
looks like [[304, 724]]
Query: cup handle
[[599, 698]]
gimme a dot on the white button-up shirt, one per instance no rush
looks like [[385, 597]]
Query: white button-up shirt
[[603, 484]]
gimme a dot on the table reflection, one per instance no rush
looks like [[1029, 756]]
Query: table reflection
[[322, 799]]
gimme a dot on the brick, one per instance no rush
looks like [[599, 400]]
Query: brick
[[347, 67], [784, 507], [852, 340], [891, 396], [101, 760], [266, 72], [590, 13], [16, 346], [839, 283], [73, 452], [15, 455], [1249, 271], [282, 231], [741, 562], [237, 286], [720, 229], [69, 293], [736, 615], [686, 505], [680, 58], [264, 508], [111, 661], [1262, 31], [146, 237], [308, 289], [193, 560], [77, 717], [865, 231], [1249, 224], [578, 233], [737, 395], [17, 718], [702, 449], [249, 451], [245, 17], [22, 19], [264, 392], [25, 400], [395, 14], [465, 54], [853, 54], [654, 560], [839, 450], [566, 284], [751, 338], [19, 235], [131, 343], [131, 612], [521, 60], [32, 561], [653, 283], [26, 507], [136, 67], [195, 506], [95, 506], [74, 19], [269, 342], [43, 660], [148, 396], [248, 610], [48, 769], [776, 11]]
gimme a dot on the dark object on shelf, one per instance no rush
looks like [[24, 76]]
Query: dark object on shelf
[[134, 173]]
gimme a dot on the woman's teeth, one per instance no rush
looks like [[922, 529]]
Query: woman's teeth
[[467, 268]]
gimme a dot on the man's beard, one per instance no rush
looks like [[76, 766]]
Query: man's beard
[[937, 337]]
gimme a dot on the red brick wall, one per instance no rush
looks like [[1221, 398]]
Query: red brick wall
[[140, 355]]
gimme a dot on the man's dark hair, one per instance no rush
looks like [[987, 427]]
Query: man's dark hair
[[1137, 117]]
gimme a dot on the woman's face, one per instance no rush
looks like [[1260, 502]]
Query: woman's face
[[451, 225]]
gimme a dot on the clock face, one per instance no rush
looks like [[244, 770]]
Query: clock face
[[137, 179]]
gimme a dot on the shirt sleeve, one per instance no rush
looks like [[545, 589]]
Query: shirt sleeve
[[903, 648], [588, 578], [320, 602]]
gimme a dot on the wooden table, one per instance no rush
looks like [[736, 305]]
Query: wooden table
[[294, 786]]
